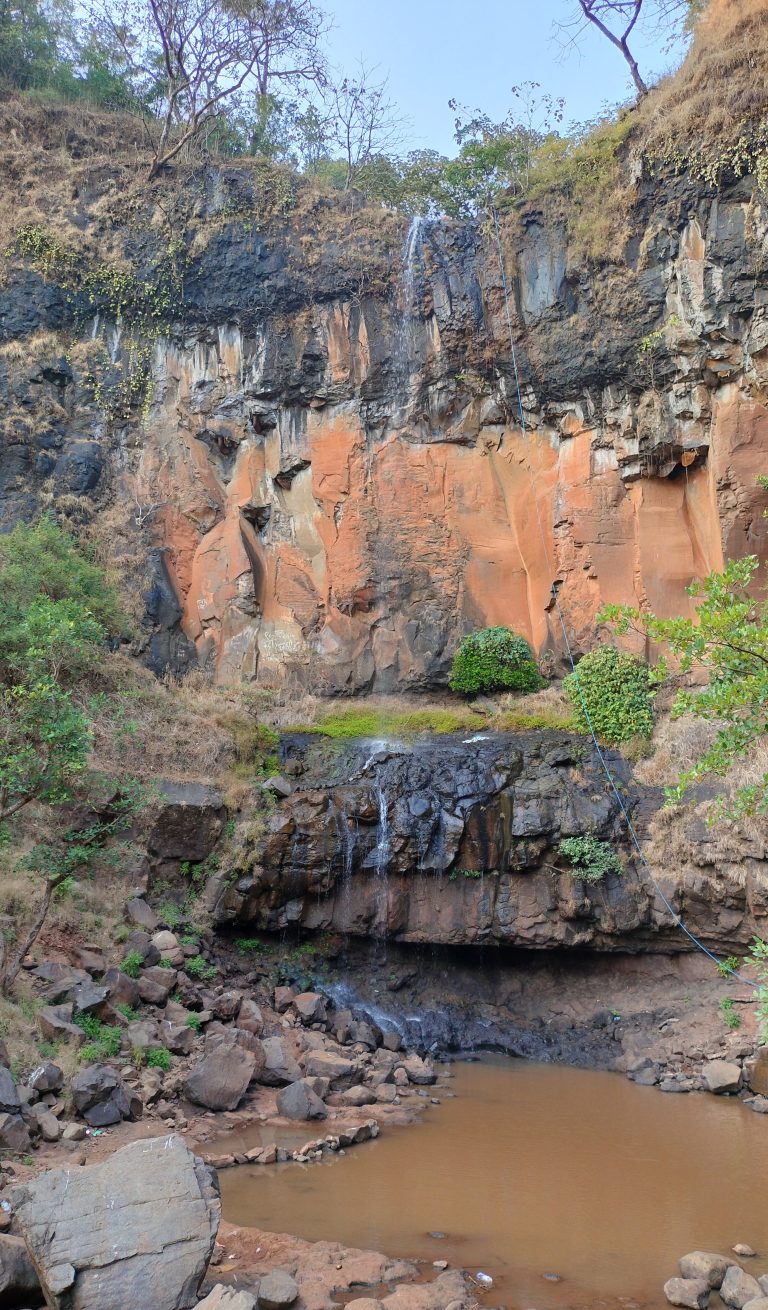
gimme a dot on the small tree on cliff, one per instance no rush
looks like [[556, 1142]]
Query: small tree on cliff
[[728, 639], [618, 21], [494, 659], [55, 612]]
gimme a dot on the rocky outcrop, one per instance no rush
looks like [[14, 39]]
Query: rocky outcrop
[[330, 477], [456, 842], [137, 1230]]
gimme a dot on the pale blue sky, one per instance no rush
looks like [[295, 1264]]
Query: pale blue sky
[[476, 50]]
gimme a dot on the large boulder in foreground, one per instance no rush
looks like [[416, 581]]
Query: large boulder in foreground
[[221, 1079], [136, 1231]]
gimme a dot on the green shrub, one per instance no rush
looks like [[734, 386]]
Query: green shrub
[[494, 659], [197, 967], [159, 1059], [731, 1018], [132, 964], [194, 1022], [248, 945], [611, 690], [105, 1042], [590, 859]]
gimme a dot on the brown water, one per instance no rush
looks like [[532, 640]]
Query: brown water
[[536, 1169]]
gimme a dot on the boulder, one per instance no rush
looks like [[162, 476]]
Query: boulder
[[310, 1007], [391, 1041], [692, 1292], [9, 1095], [155, 991], [721, 1076], [220, 1080], [738, 1287], [177, 1037], [165, 941], [763, 1281], [14, 1134], [226, 1005], [55, 1024], [122, 989], [299, 1101], [706, 1265], [136, 1231], [89, 998], [325, 1064], [363, 1032], [250, 1018], [761, 1303], [189, 821], [143, 1035], [756, 1072], [280, 1064], [47, 1077], [419, 1071], [140, 943], [277, 1290], [227, 1298], [138, 912], [90, 958], [283, 998], [19, 1283], [63, 985], [361, 1096], [101, 1097]]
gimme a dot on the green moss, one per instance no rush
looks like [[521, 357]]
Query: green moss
[[356, 722]]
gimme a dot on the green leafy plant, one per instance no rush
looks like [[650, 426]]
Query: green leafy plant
[[494, 659], [730, 1016], [133, 964], [758, 959], [590, 859], [159, 1059], [171, 914], [249, 945], [198, 967], [727, 637], [106, 1039], [611, 690], [194, 1021], [128, 1012], [728, 966]]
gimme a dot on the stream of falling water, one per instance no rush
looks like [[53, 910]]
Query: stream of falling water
[[381, 864]]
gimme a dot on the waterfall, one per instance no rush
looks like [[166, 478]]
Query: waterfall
[[347, 842], [403, 344], [381, 864]]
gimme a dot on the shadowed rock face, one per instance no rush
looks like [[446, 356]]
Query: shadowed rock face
[[334, 483], [457, 843]]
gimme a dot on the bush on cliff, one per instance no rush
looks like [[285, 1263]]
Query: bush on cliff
[[589, 858], [611, 692], [494, 659]]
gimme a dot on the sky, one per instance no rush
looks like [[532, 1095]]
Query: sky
[[475, 50]]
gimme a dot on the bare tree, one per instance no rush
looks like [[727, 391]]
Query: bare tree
[[618, 19], [196, 56], [362, 121]]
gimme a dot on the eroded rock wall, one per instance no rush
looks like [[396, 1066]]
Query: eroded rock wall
[[329, 478]]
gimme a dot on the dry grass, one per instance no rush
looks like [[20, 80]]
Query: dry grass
[[703, 116]]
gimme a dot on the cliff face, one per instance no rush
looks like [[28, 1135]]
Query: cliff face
[[327, 478]]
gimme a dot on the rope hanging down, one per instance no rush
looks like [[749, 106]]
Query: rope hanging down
[[722, 966]]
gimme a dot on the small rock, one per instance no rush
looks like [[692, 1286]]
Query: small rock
[[743, 1250], [692, 1292], [14, 1134], [310, 1007], [165, 941], [122, 989], [440, 1264], [55, 1024], [73, 1132], [278, 1290], [283, 998]]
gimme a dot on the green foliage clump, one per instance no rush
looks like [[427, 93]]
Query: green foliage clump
[[731, 1018], [194, 1022], [728, 966], [249, 945], [159, 1058], [590, 859], [133, 964], [494, 659], [758, 958], [728, 637], [105, 1039], [198, 967], [611, 691]]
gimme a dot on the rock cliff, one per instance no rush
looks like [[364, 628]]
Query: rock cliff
[[308, 448]]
